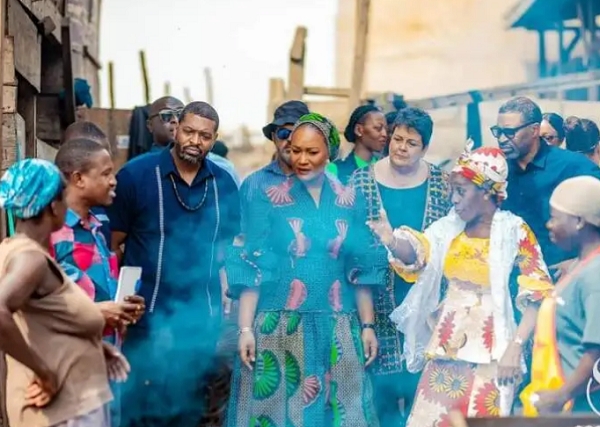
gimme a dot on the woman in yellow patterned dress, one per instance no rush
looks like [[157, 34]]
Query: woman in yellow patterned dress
[[472, 269]]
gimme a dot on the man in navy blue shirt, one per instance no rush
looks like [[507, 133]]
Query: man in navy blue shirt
[[174, 211], [535, 169]]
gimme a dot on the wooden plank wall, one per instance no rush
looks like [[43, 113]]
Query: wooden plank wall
[[115, 123]]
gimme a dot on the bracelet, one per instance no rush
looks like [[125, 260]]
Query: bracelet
[[368, 325], [245, 330]]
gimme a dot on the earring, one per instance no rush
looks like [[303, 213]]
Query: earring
[[486, 197], [579, 227]]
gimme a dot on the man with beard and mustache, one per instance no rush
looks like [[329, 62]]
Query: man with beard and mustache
[[535, 170], [162, 124], [174, 210]]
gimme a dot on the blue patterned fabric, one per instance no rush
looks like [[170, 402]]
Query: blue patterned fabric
[[28, 186]]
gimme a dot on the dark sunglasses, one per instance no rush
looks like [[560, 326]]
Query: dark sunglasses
[[510, 133], [167, 115], [283, 134]]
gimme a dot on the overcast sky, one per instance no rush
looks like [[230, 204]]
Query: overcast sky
[[245, 42]]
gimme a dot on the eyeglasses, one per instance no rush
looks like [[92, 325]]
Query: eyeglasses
[[510, 133], [283, 134], [167, 114]]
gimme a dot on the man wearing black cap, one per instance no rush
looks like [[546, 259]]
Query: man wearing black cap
[[279, 131]]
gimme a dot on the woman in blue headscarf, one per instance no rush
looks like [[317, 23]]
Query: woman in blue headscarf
[[50, 331]]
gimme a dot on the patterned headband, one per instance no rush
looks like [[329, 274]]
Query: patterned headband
[[326, 127], [486, 167]]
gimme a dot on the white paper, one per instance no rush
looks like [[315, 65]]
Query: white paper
[[128, 279]]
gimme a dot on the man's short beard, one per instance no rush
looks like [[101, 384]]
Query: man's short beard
[[192, 160]]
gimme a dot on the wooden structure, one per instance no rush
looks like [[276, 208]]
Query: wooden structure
[[573, 22], [46, 44], [573, 77]]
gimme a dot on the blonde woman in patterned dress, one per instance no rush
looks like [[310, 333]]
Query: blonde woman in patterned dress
[[472, 270]]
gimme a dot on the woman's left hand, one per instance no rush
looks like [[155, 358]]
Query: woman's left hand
[[370, 345], [509, 366], [116, 364], [550, 402]]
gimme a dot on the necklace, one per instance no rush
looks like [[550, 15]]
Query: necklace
[[182, 203]]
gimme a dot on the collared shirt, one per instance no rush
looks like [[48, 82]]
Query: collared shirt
[[174, 230], [332, 167], [100, 213], [81, 250], [529, 191]]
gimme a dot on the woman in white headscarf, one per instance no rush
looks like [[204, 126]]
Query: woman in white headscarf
[[565, 369], [459, 317]]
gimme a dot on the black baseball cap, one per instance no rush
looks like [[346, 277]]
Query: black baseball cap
[[287, 113]]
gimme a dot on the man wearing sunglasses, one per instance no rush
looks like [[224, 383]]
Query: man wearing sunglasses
[[163, 120], [535, 170], [279, 131]]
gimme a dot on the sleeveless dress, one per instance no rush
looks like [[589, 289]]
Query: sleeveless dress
[[65, 329]]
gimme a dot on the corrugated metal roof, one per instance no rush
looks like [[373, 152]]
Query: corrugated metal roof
[[542, 14]]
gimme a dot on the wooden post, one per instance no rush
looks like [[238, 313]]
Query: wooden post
[[276, 96], [144, 67], [187, 95], [296, 71], [209, 85], [111, 84], [167, 89], [3, 223], [361, 26], [68, 84]]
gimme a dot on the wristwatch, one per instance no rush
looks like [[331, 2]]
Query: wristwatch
[[368, 325]]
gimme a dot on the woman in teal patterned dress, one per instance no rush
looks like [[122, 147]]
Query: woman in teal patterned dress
[[306, 314]]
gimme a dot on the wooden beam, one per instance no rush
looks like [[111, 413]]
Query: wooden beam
[[7, 74], [47, 15], [144, 68], [296, 71], [27, 43], [187, 95], [9, 78], [337, 92], [361, 31], [68, 83], [111, 85], [276, 96], [209, 85]]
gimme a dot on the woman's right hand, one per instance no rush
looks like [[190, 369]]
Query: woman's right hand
[[247, 347], [42, 390], [382, 228], [116, 314]]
